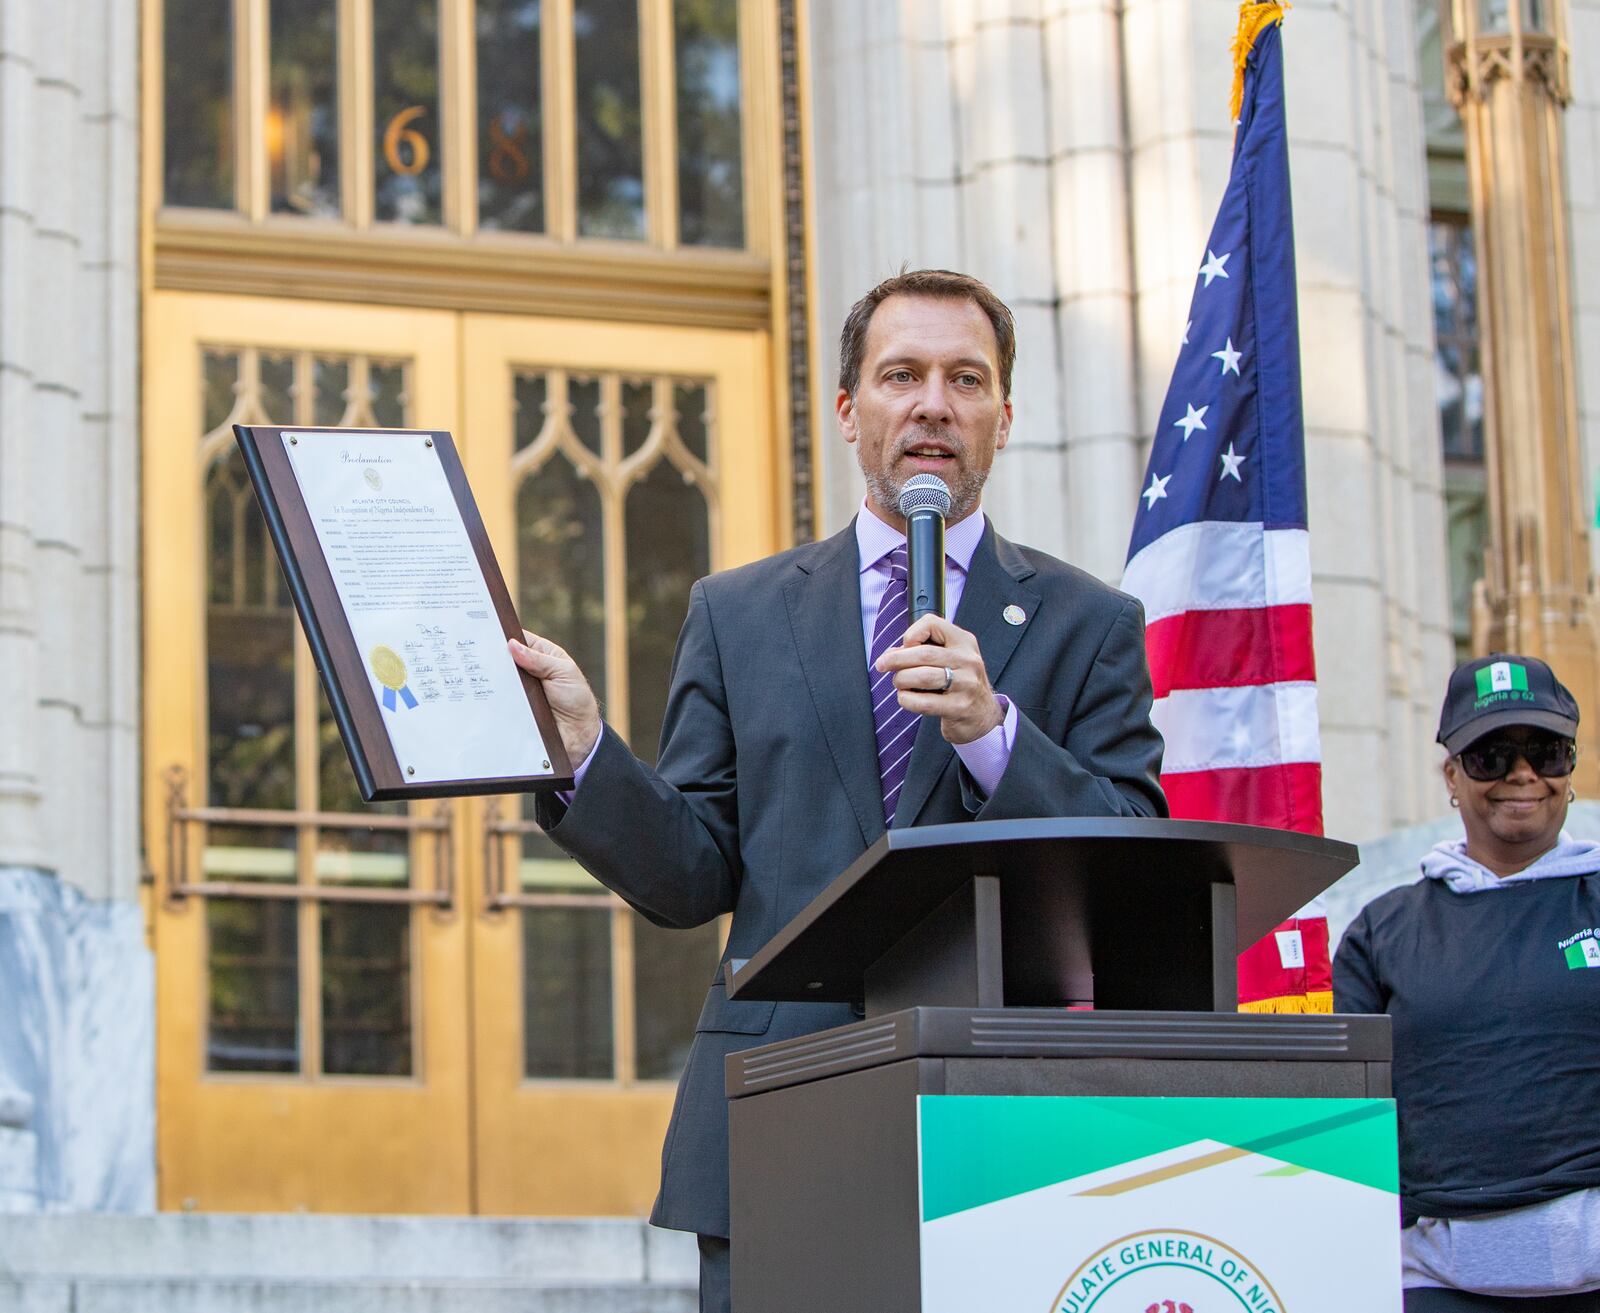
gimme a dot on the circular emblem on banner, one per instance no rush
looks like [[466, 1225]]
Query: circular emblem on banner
[[1167, 1271], [373, 478]]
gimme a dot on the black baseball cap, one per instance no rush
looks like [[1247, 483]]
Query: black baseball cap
[[1502, 689]]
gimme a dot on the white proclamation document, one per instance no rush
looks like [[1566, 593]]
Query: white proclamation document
[[452, 698]]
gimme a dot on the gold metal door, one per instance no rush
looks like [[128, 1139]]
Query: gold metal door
[[613, 465], [374, 1009], [401, 214], [311, 952]]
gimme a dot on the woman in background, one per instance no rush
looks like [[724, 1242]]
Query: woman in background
[[1490, 967]]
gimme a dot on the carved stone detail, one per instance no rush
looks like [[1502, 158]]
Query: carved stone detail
[[1472, 72], [1538, 594]]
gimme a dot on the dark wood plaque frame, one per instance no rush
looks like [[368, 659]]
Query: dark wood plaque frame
[[333, 645]]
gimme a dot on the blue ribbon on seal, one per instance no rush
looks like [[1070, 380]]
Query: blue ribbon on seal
[[405, 692]]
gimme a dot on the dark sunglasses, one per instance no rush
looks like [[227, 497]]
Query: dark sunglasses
[[1493, 758]]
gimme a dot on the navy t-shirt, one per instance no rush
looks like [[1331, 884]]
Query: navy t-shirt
[[1496, 1008]]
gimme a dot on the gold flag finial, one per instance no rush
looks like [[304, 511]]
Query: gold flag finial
[[1254, 19]]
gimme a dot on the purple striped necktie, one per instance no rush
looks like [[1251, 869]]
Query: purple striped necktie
[[896, 727]]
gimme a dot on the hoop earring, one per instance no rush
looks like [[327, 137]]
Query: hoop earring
[[1572, 794], [1455, 801]]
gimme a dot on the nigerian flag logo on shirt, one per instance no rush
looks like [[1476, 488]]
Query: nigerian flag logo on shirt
[[1584, 953], [1502, 677]]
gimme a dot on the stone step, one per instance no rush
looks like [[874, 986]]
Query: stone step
[[291, 1263], [333, 1248], [243, 1295]]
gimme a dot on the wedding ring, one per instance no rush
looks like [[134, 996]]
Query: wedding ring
[[949, 679]]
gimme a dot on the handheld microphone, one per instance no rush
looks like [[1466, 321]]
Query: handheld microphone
[[925, 501]]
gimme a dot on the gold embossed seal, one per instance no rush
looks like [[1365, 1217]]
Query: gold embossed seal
[[390, 671]]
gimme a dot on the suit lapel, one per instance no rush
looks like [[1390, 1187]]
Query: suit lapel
[[994, 582], [824, 604]]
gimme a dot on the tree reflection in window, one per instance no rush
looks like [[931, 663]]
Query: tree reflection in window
[[669, 547], [250, 631], [566, 951], [197, 104], [1459, 370], [256, 674], [253, 995], [252, 946], [303, 117], [366, 989], [561, 563], [610, 126], [610, 462], [710, 150], [1458, 378], [407, 161], [510, 116], [323, 84], [566, 1015]]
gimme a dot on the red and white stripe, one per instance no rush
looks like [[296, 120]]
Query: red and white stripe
[[1228, 634]]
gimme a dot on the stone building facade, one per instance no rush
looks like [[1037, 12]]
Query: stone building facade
[[76, 1005], [1072, 153], [1069, 152]]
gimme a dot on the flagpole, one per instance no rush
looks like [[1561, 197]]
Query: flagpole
[[1220, 550]]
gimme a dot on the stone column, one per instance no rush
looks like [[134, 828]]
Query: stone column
[[77, 1048], [20, 786], [1508, 76], [69, 480], [1095, 318], [987, 136]]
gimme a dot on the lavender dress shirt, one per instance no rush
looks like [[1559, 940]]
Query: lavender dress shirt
[[985, 758]]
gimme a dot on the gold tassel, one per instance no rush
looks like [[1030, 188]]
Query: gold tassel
[[1319, 1000], [1254, 19]]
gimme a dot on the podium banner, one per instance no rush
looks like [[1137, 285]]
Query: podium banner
[[1153, 1205]]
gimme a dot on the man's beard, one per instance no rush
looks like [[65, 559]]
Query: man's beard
[[964, 482]]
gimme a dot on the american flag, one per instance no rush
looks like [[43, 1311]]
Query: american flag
[[1220, 554]]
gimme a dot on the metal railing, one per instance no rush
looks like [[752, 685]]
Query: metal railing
[[180, 816], [498, 897]]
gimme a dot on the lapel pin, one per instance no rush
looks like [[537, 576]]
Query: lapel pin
[[1014, 614]]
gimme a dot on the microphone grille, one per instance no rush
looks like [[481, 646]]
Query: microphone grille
[[925, 492]]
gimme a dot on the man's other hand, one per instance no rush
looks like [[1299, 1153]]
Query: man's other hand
[[967, 710], [571, 699]]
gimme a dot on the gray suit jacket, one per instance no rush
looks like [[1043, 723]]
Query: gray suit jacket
[[767, 784]]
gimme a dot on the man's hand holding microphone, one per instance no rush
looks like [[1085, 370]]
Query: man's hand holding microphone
[[938, 669]]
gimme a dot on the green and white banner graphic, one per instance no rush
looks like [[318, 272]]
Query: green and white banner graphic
[[1073, 1205]]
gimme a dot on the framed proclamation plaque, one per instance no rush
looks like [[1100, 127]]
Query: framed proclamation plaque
[[406, 611]]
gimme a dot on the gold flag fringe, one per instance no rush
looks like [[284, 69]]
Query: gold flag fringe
[[1254, 19], [1319, 1000]]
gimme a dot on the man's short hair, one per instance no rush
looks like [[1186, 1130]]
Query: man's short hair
[[925, 282]]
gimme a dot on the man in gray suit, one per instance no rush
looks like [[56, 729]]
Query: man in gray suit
[[805, 716]]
